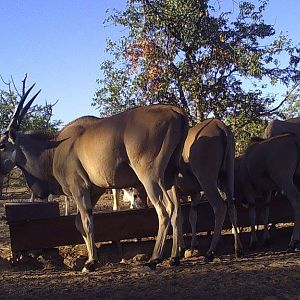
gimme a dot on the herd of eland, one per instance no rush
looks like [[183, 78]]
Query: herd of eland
[[151, 153]]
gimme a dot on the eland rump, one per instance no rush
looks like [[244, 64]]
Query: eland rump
[[142, 145]]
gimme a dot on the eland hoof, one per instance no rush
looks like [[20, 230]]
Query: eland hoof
[[89, 267], [294, 246], [152, 263], [290, 249], [182, 252], [209, 256], [174, 261]]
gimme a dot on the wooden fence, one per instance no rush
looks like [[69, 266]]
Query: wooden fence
[[39, 225]]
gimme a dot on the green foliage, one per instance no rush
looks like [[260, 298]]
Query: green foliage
[[37, 118], [199, 56], [249, 129], [291, 107], [7, 102]]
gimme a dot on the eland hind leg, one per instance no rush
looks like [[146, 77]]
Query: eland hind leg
[[265, 211], [178, 245], [158, 181], [155, 194], [167, 206], [193, 216], [219, 207], [228, 190], [157, 171]]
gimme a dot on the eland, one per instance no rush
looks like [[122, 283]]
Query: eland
[[89, 155], [207, 165], [266, 166]]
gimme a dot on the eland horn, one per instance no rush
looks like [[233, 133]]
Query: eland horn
[[20, 112]]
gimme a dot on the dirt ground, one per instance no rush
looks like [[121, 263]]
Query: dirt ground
[[55, 273]]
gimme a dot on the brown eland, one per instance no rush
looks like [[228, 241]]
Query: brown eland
[[207, 165], [266, 166], [89, 155], [277, 127], [274, 128]]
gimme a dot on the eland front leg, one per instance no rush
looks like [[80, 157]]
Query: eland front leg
[[85, 225], [293, 196], [116, 198], [252, 217], [193, 217]]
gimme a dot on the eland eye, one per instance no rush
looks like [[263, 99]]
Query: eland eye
[[2, 146]]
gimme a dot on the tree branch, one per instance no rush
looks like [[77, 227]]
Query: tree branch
[[13, 82], [6, 83], [282, 102]]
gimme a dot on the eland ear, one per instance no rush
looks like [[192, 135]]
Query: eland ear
[[12, 135]]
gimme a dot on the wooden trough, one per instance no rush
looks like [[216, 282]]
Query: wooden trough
[[39, 225]]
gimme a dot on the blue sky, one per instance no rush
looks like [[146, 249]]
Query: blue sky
[[60, 44]]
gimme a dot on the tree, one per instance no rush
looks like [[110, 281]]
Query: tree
[[197, 55], [39, 117]]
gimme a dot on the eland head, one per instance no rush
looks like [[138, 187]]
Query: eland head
[[9, 138]]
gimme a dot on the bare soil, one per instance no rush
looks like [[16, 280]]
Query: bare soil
[[55, 273]]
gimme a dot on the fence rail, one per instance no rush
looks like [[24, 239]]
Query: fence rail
[[38, 225]]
